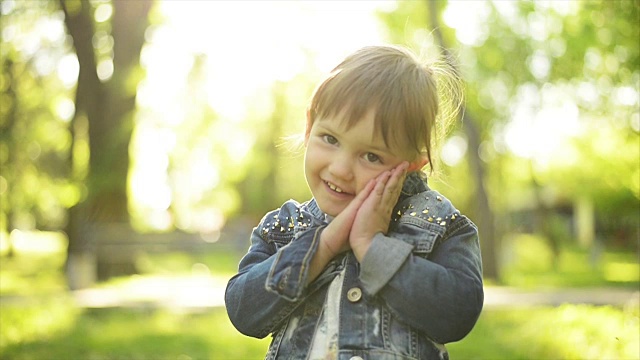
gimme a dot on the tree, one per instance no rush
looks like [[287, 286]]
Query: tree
[[553, 90], [480, 207], [34, 119], [483, 210], [106, 102]]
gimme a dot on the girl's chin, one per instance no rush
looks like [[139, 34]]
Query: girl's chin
[[331, 209]]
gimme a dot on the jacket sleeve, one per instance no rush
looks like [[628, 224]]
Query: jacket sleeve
[[442, 295], [269, 284]]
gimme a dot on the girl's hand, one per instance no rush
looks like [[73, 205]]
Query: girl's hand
[[335, 238], [374, 215]]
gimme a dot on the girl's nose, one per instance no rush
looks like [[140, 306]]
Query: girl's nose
[[342, 167]]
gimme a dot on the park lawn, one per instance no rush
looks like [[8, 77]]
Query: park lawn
[[38, 269], [39, 319], [55, 329], [545, 332], [121, 333], [530, 265]]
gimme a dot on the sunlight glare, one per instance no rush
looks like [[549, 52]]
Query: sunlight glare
[[7, 6], [68, 69], [539, 65], [626, 95], [454, 150], [149, 184], [227, 55], [468, 18], [65, 109], [43, 63], [103, 12], [203, 172], [38, 241], [538, 133], [105, 69]]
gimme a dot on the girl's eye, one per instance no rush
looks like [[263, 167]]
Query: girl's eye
[[330, 139], [371, 157]]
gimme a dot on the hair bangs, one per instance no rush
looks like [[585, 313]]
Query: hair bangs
[[392, 83]]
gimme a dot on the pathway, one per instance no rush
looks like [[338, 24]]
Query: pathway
[[206, 292]]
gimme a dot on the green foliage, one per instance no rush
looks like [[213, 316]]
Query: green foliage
[[35, 109], [554, 89], [216, 160]]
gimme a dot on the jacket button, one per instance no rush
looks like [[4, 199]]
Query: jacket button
[[354, 295], [356, 358]]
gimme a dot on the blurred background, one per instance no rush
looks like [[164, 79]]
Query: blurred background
[[142, 140]]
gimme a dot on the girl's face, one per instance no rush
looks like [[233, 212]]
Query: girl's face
[[339, 162]]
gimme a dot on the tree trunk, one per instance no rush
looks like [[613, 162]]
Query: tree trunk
[[109, 107], [543, 219], [484, 217], [7, 136], [483, 213]]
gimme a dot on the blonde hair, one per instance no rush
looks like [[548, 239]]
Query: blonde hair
[[402, 92]]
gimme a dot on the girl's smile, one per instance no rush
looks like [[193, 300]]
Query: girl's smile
[[335, 188], [339, 161]]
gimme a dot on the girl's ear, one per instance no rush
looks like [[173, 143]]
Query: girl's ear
[[418, 164]]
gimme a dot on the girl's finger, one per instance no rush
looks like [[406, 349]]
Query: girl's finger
[[355, 204], [383, 179], [401, 170], [362, 196], [364, 193], [394, 185], [381, 183]]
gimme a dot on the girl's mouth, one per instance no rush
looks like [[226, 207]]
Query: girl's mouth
[[334, 187]]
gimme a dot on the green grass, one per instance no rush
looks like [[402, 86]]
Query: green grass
[[123, 334], [222, 263], [36, 268], [529, 264], [58, 330], [564, 332], [32, 274], [23, 321], [39, 320]]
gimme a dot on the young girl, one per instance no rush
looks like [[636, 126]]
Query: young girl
[[376, 265]]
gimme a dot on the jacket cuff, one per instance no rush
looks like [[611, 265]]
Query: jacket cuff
[[383, 259], [288, 274]]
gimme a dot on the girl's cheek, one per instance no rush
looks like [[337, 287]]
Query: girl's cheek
[[366, 179]]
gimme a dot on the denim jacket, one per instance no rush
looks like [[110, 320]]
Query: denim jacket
[[417, 288]]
